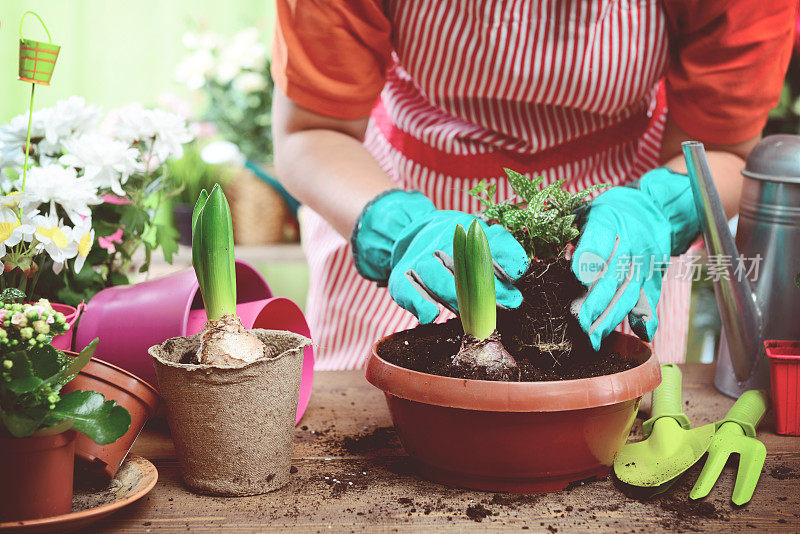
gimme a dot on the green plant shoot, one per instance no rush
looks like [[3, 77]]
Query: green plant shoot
[[543, 221], [212, 253], [474, 274]]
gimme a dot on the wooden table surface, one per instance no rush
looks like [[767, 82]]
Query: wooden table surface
[[353, 475]]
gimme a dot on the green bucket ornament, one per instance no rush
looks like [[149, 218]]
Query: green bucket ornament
[[37, 59]]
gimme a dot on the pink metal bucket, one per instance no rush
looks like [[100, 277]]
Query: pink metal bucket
[[64, 341]]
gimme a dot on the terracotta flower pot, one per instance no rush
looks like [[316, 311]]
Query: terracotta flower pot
[[232, 427], [36, 476], [130, 392], [522, 437]]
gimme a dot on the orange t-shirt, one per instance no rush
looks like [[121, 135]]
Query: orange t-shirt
[[728, 59]]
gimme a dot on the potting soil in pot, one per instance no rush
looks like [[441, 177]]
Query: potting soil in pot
[[542, 335]]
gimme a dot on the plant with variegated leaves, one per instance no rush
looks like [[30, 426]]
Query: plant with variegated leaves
[[543, 220]]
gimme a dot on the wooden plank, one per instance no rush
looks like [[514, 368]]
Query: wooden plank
[[353, 475]]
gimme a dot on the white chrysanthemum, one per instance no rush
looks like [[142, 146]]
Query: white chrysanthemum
[[166, 131], [67, 119], [250, 82], [244, 51], [54, 183], [202, 41], [83, 235], [106, 163], [195, 68], [55, 238]]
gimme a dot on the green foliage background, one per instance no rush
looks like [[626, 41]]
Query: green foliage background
[[114, 51]]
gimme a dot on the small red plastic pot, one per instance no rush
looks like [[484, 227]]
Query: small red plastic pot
[[130, 392], [784, 368], [520, 437], [36, 476]]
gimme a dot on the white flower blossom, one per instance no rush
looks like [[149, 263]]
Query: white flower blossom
[[12, 231], [245, 51], [54, 183], [166, 131], [195, 68], [55, 238], [83, 235], [106, 163], [250, 82]]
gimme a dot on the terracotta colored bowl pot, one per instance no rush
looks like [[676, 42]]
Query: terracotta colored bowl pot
[[130, 392], [36, 476], [521, 437]]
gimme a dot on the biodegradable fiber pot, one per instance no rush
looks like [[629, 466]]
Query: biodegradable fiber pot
[[522, 437], [36, 476], [232, 427], [130, 392]]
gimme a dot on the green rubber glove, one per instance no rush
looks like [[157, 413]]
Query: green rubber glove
[[403, 240], [628, 237]]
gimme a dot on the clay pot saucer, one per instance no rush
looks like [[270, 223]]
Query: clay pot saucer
[[138, 473]]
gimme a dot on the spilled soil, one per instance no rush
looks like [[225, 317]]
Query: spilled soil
[[542, 335]]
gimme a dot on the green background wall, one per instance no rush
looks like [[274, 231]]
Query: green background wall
[[114, 51]]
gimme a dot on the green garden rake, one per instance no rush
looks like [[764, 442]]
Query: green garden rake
[[736, 434]]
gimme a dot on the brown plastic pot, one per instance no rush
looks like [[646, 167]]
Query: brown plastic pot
[[130, 392], [521, 437], [36, 476]]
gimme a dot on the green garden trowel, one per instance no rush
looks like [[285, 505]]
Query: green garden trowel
[[736, 434], [671, 445]]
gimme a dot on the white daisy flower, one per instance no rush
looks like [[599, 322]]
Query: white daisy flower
[[55, 238], [66, 119], [245, 51], [83, 235], [12, 231], [54, 183], [106, 163], [195, 68], [249, 82], [167, 131]]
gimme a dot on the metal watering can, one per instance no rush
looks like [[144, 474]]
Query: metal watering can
[[754, 303]]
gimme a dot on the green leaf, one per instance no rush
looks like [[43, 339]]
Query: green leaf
[[196, 253], [214, 236], [167, 239], [102, 421], [12, 294], [21, 366], [25, 384], [460, 274], [480, 281], [22, 424], [78, 363], [45, 361], [134, 219]]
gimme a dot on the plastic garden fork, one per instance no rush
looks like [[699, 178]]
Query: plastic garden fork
[[736, 434], [671, 446]]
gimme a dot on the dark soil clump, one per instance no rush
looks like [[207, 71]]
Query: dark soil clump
[[783, 472], [477, 512], [542, 335]]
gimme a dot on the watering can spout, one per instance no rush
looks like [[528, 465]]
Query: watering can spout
[[740, 314]]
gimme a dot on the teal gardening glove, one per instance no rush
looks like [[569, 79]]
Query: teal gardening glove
[[403, 240], [628, 237]]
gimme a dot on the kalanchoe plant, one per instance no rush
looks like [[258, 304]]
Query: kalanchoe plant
[[543, 221], [32, 374], [477, 306], [224, 341]]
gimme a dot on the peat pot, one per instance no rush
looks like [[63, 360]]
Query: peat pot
[[232, 426], [520, 437]]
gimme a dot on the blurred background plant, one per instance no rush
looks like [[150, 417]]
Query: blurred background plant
[[233, 75]]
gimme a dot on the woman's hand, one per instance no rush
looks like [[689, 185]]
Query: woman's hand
[[403, 240], [627, 239]]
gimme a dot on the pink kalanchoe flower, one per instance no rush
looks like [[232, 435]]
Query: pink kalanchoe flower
[[19, 319], [108, 241]]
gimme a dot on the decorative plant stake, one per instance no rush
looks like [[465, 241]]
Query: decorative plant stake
[[243, 384], [474, 274], [36, 63]]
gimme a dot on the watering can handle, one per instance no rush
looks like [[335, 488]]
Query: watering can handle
[[748, 411], [21, 20], [667, 399]]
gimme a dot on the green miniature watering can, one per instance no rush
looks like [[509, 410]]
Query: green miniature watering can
[[37, 59]]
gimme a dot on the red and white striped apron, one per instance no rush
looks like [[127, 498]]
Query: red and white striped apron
[[559, 88]]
